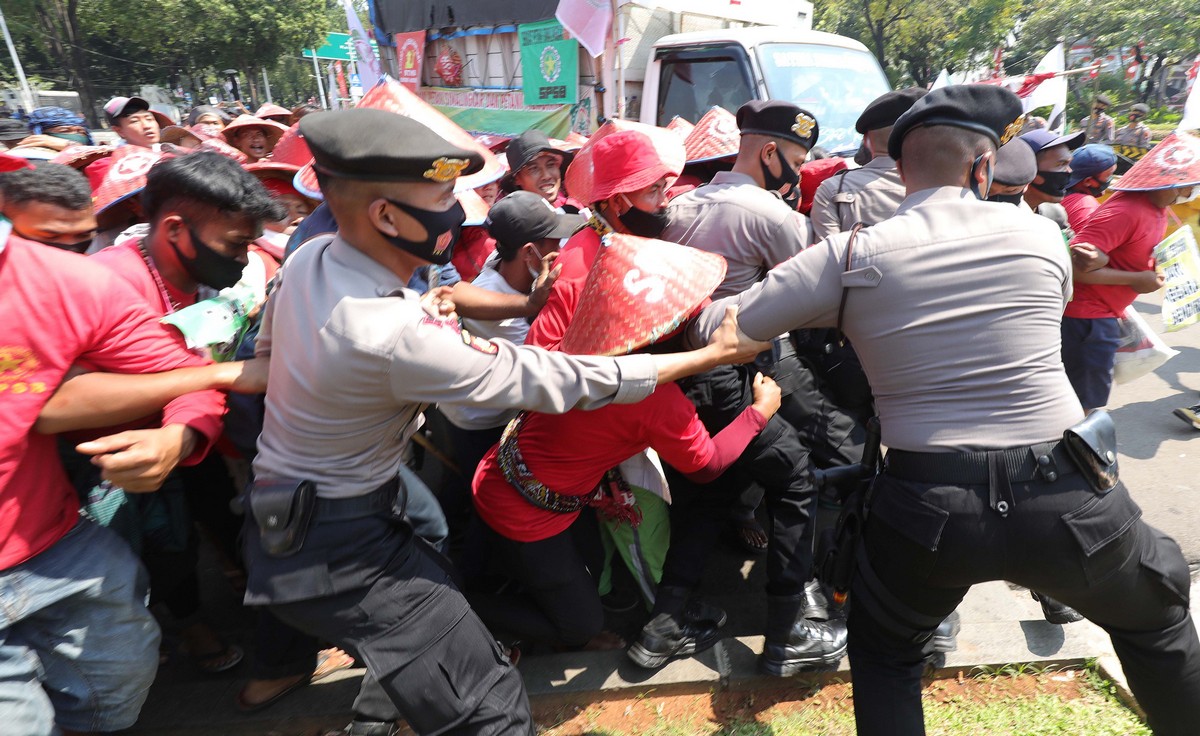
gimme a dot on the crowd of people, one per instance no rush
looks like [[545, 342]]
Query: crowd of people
[[639, 343]]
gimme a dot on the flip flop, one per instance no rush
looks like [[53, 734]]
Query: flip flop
[[327, 664], [744, 532]]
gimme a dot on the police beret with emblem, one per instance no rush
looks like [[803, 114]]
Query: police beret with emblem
[[989, 110], [1016, 164], [887, 108], [377, 145], [778, 119]]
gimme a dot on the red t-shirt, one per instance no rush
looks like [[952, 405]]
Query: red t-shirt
[[471, 251], [1080, 207], [57, 309], [125, 259], [1126, 227], [570, 453], [576, 259]]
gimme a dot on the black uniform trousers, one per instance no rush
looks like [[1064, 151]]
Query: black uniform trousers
[[928, 539], [373, 587], [776, 460]]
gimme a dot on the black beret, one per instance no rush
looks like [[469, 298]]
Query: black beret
[[887, 108], [377, 145], [778, 119], [987, 109], [1016, 164]]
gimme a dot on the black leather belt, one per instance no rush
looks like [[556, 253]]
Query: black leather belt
[[344, 509], [1047, 461]]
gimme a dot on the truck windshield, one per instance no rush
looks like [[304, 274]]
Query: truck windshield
[[832, 83]]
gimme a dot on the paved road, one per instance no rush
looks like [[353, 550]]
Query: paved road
[[1159, 453]]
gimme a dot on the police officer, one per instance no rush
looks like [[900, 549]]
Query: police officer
[[954, 307], [748, 216], [354, 359], [872, 193]]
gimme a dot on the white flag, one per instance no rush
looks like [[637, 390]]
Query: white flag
[[1053, 91], [943, 80], [1191, 108], [369, 70]]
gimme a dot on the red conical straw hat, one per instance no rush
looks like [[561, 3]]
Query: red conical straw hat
[[1173, 163], [639, 290], [223, 148], [680, 126], [715, 136], [580, 177], [392, 96], [126, 177], [78, 157], [271, 108], [271, 129]]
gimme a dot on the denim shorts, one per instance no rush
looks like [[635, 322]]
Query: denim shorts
[[1089, 347], [77, 646]]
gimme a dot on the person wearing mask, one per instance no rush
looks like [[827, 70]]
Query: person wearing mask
[[51, 204], [1099, 127], [55, 128], [352, 351], [1053, 154], [1135, 132], [980, 483], [1092, 169]]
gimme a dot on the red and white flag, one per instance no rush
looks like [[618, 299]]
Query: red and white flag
[[588, 21]]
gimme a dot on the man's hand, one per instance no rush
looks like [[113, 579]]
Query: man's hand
[[543, 284], [1087, 257], [730, 344], [41, 140], [439, 303], [1147, 282], [767, 396], [140, 460]]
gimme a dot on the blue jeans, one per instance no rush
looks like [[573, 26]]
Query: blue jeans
[[1089, 347], [78, 649]]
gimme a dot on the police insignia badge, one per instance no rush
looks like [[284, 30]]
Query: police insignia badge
[[804, 125], [446, 169], [1013, 129]]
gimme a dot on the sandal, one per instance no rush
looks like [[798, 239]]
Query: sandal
[[328, 661], [750, 535], [212, 663]]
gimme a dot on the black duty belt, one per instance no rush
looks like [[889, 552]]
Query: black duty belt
[[1047, 461], [355, 507]]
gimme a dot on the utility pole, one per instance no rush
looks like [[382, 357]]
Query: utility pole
[[320, 82], [26, 92], [267, 84]]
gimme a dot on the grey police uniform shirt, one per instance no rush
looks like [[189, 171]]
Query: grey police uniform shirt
[[868, 195], [354, 359], [954, 309], [734, 217]]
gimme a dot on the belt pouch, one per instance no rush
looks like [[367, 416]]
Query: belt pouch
[[283, 510], [1092, 445]]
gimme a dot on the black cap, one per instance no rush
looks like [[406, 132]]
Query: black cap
[[12, 129], [1016, 164], [986, 109], [1041, 139], [886, 109], [523, 217], [525, 147], [778, 119], [377, 145]]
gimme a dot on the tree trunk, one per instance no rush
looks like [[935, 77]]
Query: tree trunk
[[58, 19], [878, 38], [249, 75]]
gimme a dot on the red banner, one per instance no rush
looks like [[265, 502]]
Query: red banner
[[343, 90], [410, 53]]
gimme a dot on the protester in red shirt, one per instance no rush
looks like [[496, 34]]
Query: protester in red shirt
[[629, 195], [531, 488], [77, 629], [1092, 169]]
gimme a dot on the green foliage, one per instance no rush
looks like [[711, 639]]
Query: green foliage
[[915, 39]]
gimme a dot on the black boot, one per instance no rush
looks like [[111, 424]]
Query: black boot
[[945, 636], [664, 637], [816, 604], [794, 643], [1056, 612]]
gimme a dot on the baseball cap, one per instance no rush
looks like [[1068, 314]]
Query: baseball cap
[[119, 107], [1089, 161], [525, 147], [1041, 139], [523, 217]]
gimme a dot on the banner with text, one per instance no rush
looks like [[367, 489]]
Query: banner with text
[[1179, 261], [410, 53], [549, 64]]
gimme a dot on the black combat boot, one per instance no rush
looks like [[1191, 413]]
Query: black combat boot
[[795, 643], [1056, 612], [945, 636], [679, 628]]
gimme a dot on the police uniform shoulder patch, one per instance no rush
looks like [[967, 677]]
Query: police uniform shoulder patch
[[804, 125], [445, 169], [478, 343], [1013, 129]]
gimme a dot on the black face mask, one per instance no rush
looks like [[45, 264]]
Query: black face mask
[[209, 267], [1054, 183], [1013, 199], [1098, 190], [645, 224], [79, 246], [441, 232], [775, 183]]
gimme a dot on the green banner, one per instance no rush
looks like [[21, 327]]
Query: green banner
[[549, 64]]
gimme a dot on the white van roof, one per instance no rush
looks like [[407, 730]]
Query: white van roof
[[755, 35]]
